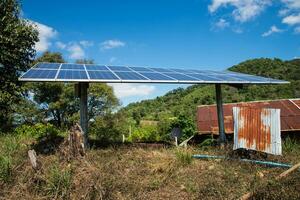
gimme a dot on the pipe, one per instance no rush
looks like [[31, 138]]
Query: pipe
[[260, 162]]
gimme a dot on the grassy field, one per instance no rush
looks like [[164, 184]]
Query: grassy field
[[128, 172]]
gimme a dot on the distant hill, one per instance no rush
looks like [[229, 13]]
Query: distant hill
[[185, 101]]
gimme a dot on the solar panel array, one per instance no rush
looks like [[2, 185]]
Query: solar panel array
[[65, 72]]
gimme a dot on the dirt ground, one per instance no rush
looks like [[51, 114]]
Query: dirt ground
[[130, 172]]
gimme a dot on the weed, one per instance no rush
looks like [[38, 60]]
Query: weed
[[5, 169], [184, 157], [58, 182], [290, 145]]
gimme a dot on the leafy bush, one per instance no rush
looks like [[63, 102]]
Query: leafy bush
[[109, 128], [145, 134], [37, 131], [187, 126]]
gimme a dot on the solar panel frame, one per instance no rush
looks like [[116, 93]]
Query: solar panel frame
[[196, 76]]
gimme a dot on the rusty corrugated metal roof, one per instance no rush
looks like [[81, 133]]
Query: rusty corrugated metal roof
[[257, 129], [207, 121]]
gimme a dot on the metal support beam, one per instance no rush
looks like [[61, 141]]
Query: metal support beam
[[222, 136], [84, 110]]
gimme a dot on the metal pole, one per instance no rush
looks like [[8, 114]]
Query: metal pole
[[84, 111], [222, 138]]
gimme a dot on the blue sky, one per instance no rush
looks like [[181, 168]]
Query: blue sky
[[208, 34]]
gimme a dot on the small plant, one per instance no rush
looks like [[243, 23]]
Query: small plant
[[5, 169], [290, 145], [184, 157], [58, 182]]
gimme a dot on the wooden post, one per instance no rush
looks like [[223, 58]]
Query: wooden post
[[84, 111], [222, 136]]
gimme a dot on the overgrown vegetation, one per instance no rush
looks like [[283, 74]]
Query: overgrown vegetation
[[126, 172]]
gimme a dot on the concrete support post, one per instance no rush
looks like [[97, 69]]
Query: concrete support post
[[222, 136], [84, 110]]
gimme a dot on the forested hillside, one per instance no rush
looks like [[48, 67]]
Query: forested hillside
[[185, 101]]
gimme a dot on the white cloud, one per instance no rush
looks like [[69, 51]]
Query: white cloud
[[122, 90], [111, 44], [76, 51], [297, 30], [46, 33], [60, 45], [292, 4], [291, 19], [222, 23], [272, 30], [86, 43], [244, 10]]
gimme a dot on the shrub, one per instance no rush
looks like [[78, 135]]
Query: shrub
[[37, 131], [186, 125], [109, 128], [145, 134]]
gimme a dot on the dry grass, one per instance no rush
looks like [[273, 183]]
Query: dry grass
[[126, 172]]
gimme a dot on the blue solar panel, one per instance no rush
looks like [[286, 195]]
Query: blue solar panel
[[181, 70], [104, 75], [69, 74], [119, 68], [40, 74], [181, 77], [96, 67], [227, 77], [156, 76], [204, 77], [94, 73], [47, 65], [141, 69], [130, 76], [72, 66], [161, 69]]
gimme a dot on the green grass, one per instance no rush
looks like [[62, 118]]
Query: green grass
[[58, 182], [184, 157]]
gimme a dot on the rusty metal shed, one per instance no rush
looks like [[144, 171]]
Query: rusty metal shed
[[207, 121]]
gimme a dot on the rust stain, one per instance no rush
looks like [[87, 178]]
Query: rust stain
[[252, 130]]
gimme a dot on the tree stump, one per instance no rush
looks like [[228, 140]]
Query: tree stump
[[76, 141], [73, 146]]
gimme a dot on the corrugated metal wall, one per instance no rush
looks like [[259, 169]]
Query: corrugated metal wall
[[257, 129], [207, 121]]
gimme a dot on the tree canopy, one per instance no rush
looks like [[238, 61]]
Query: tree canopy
[[17, 40]]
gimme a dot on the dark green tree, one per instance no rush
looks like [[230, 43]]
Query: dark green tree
[[17, 40]]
